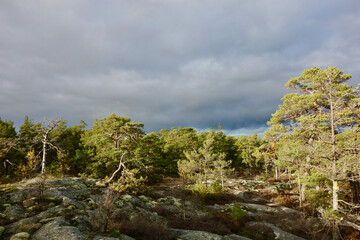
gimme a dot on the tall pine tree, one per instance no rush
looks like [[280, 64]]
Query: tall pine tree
[[319, 114]]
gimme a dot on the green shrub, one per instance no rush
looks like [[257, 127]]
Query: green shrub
[[258, 231], [203, 191], [115, 234], [237, 213], [318, 198], [331, 215], [215, 187], [130, 184], [200, 189]]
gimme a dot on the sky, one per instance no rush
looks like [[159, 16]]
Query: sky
[[167, 63]]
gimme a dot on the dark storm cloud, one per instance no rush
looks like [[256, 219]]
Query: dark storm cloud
[[167, 63]]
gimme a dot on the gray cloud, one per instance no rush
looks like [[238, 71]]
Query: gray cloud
[[167, 63]]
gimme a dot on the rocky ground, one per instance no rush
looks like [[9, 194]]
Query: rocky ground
[[78, 209]]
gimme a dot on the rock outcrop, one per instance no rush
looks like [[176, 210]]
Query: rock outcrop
[[77, 209]]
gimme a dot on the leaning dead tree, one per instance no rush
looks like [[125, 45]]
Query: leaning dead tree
[[44, 131], [121, 166]]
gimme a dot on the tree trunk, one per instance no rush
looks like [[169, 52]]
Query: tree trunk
[[117, 170], [205, 176], [43, 162], [300, 190], [335, 204], [222, 181], [355, 191]]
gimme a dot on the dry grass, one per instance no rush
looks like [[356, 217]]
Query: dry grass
[[143, 227], [286, 200], [299, 224]]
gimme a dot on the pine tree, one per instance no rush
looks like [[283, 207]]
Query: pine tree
[[205, 163], [7, 143], [321, 112], [111, 143]]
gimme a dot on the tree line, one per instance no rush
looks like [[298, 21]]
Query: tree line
[[313, 137], [113, 143]]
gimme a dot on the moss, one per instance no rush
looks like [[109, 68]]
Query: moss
[[57, 201], [30, 228], [249, 209], [20, 236], [5, 189]]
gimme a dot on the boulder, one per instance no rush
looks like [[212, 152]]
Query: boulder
[[281, 234], [29, 202], [221, 208], [68, 192], [82, 223], [128, 203], [259, 207], [194, 235], [58, 229], [123, 237], [126, 237], [235, 237], [70, 202], [22, 194], [39, 218], [95, 200], [76, 183], [272, 189], [170, 203], [33, 181], [90, 182], [105, 238], [15, 212], [241, 194]]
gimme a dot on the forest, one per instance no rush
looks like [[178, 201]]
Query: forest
[[313, 141]]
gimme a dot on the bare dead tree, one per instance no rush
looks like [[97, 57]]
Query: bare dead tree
[[46, 127]]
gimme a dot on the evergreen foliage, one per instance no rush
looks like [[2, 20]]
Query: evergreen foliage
[[205, 163], [314, 124], [109, 141]]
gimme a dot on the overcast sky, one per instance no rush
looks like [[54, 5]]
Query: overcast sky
[[167, 63]]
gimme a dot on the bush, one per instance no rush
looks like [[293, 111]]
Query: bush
[[230, 223], [200, 189], [130, 184], [298, 224], [142, 227], [115, 234], [103, 214], [318, 198], [209, 194], [259, 231], [286, 200], [215, 187], [214, 223], [237, 213]]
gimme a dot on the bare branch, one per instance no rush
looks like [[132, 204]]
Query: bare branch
[[55, 147], [8, 161], [121, 164]]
